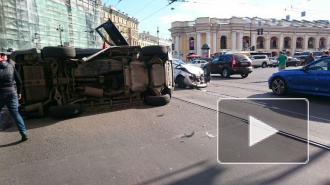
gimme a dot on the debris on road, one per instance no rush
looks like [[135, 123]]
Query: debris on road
[[160, 115], [188, 135], [210, 135], [181, 141]]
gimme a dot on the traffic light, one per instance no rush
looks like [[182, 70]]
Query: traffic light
[[258, 30], [173, 47], [261, 31]]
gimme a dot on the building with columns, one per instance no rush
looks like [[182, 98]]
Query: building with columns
[[146, 39], [240, 34]]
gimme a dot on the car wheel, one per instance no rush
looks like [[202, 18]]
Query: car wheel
[[65, 111], [152, 50], [244, 75], [180, 82], [157, 100], [279, 86], [264, 65], [54, 52], [225, 73]]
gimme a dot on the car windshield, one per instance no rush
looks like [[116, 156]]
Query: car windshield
[[177, 62]]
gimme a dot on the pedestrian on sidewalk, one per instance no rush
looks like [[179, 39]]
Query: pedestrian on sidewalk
[[281, 60], [10, 93]]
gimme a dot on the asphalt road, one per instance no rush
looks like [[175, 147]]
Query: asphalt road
[[146, 145]]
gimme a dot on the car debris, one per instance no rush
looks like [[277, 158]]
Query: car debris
[[160, 115], [210, 136], [188, 135]]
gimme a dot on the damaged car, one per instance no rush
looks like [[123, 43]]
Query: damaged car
[[65, 81], [188, 75]]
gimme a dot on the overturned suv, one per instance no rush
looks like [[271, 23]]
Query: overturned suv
[[64, 81]]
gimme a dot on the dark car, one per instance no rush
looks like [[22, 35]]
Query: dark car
[[292, 62], [230, 64], [314, 78], [301, 59], [65, 81]]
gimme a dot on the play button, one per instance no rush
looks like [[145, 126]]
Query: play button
[[251, 131], [259, 131]]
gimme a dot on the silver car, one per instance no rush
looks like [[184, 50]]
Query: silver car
[[188, 75]]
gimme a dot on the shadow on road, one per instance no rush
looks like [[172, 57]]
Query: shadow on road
[[296, 107], [206, 176], [11, 144]]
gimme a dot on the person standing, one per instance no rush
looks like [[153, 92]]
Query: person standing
[[326, 54], [281, 61], [9, 94], [309, 58]]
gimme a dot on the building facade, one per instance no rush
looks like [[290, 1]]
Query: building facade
[[126, 24], [240, 34], [145, 39]]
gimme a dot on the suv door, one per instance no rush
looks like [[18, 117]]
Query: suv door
[[215, 65]]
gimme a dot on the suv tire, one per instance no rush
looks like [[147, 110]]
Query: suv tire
[[244, 75], [152, 50], [180, 82], [65, 111], [157, 100], [54, 52], [264, 65], [225, 73]]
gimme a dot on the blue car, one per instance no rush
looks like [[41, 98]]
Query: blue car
[[313, 78]]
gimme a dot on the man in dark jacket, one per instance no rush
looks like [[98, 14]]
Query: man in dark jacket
[[10, 93], [309, 58]]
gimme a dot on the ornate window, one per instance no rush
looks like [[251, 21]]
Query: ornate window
[[223, 42], [260, 43], [191, 43]]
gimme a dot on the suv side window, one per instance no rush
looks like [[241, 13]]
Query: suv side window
[[226, 58], [216, 59]]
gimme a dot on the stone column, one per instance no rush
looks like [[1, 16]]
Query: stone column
[[306, 42], [240, 41], [233, 40], [268, 42], [317, 41], [254, 40], [294, 43], [281, 41], [177, 46], [198, 44], [214, 47]]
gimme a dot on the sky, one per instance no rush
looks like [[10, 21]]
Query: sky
[[160, 13]]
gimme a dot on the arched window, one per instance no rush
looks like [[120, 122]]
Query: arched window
[[223, 42], [299, 42], [311, 42], [191, 43], [260, 43], [273, 43], [322, 42], [246, 43], [287, 41]]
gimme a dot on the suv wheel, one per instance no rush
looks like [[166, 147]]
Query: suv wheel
[[245, 75], [279, 86], [225, 73], [54, 52], [157, 100], [180, 81], [264, 65]]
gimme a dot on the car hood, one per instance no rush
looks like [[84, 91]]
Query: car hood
[[287, 71], [108, 28], [193, 69]]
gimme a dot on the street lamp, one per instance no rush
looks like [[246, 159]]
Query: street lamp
[[60, 30]]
